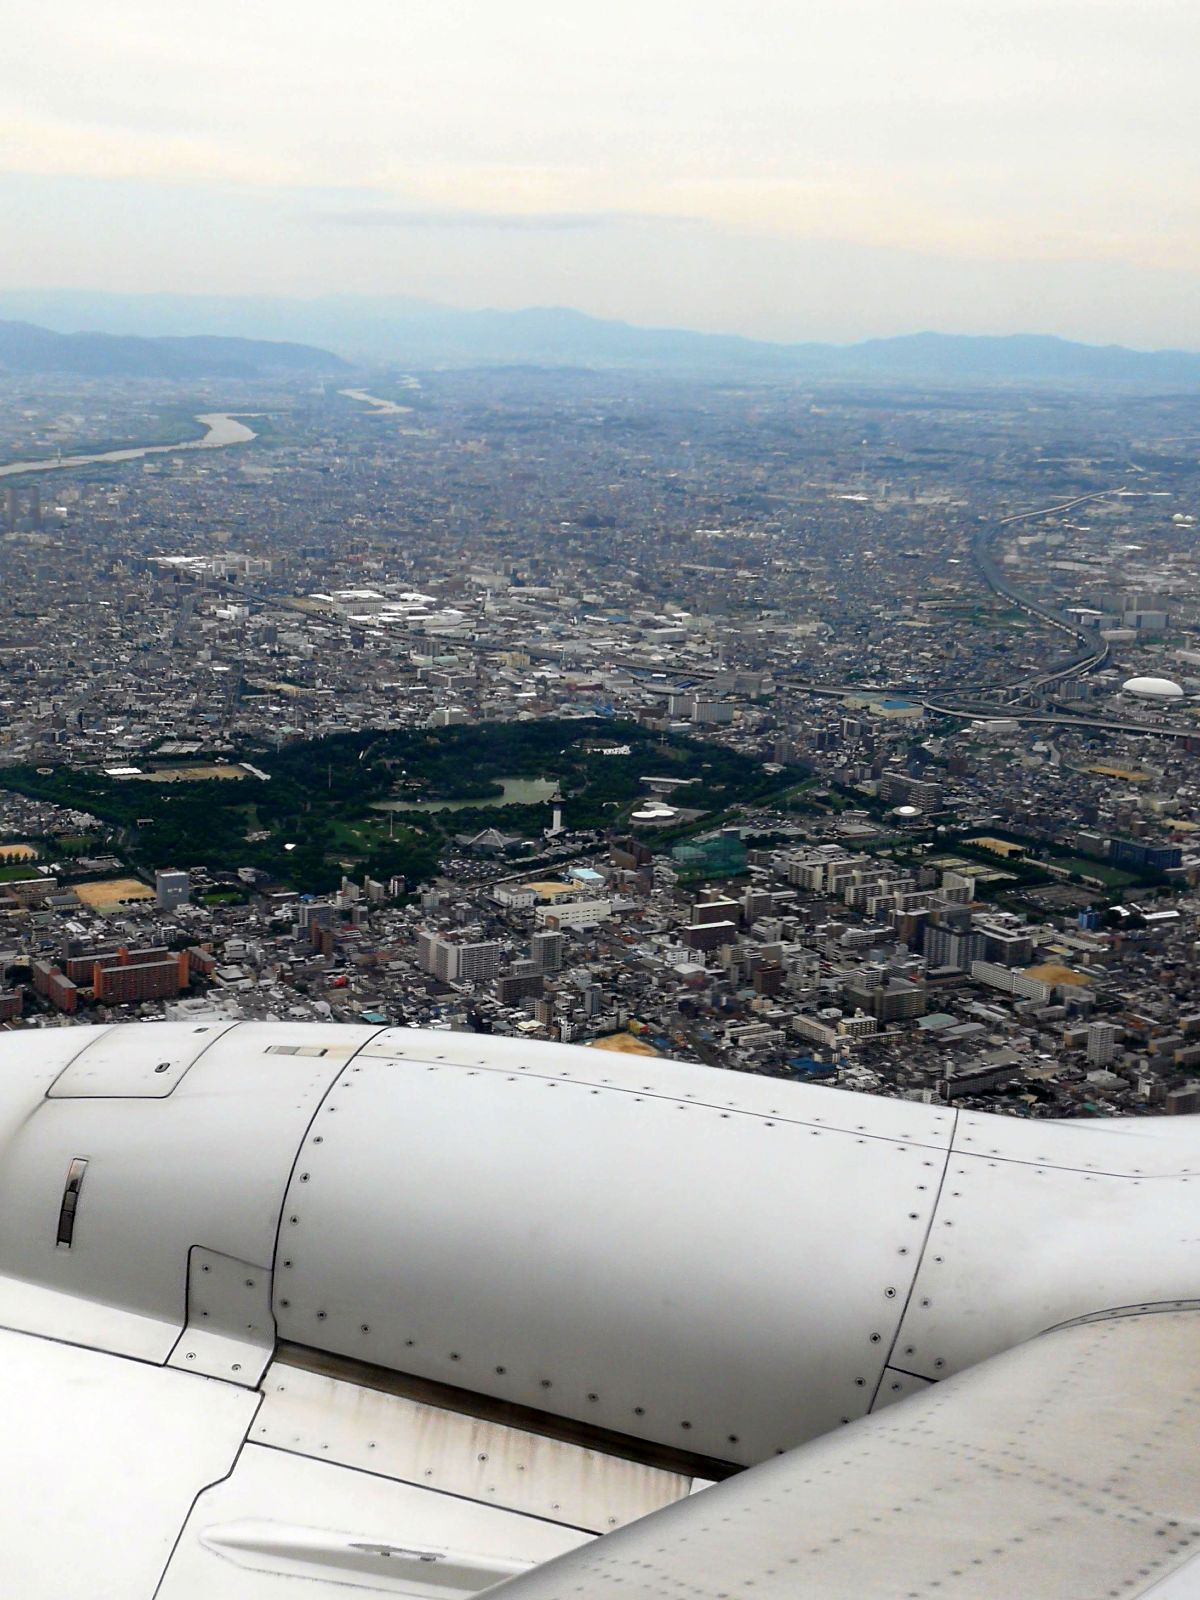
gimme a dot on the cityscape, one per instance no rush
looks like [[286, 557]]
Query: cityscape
[[808, 729], [600, 800]]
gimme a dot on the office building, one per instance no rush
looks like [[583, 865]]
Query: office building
[[1103, 1042], [546, 950], [886, 1001], [172, 888], [896, 788], [1144, 856]]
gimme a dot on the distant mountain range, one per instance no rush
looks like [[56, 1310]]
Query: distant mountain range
[[26, 348], [179, 334]]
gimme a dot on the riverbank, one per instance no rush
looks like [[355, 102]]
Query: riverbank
[[223, 429]]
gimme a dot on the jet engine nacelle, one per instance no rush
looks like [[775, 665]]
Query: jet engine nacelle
[[710, 1263]]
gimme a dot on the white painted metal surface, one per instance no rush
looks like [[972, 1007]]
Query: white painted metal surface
[[726, 1282], [1040, 1223], [150, 1061], [1182, 1584], [1066, 1469], [205, 1166], [100, 1463], [1133, 1147], [230, 1332], [285, 1526], [659, 1077], [392, 1436], [897, 1384], [711, 1262], [281, 1550], [29, 1064]]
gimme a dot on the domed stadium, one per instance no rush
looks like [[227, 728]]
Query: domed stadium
[[1152, 689]]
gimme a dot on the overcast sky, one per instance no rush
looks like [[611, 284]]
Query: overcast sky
[[784, 168]]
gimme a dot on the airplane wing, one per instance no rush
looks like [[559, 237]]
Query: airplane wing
[[295, 1310], [1067, 1469]]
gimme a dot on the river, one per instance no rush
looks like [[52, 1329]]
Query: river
[[223, 429], [379, 408]]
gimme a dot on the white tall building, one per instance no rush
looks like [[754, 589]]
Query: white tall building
[[454, 961], [1103, 1039]]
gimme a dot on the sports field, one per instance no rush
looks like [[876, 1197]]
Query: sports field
[[195, 774], [110, 894], [624, 1044]]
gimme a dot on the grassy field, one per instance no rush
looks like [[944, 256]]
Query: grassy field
[[1111, 877]]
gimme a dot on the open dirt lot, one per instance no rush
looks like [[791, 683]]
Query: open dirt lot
[[190, 774], [109, 893]]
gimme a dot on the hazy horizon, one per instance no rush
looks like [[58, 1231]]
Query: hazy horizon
[[164, 313], [826, 171]]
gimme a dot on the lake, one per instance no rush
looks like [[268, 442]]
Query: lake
[[517, 792]]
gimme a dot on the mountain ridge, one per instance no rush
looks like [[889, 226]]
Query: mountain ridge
[[379, 330], [27, 348]]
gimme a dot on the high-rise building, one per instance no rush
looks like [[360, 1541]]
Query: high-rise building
[[172, 888], [896, 788], [706, 710], [1006, 940], [886, 1002], [546, 950], [515, 987], [719, 909], [457, 961], [477, 963], [952, 947], [709, 935], [1103, 1039]]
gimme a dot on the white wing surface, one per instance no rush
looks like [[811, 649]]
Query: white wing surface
[[301, 1309], [1067, 1469]]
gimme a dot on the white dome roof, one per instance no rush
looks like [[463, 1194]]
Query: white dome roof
[[654, 811], [1152, 688]]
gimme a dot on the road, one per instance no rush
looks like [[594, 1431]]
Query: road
[[1094, 653]]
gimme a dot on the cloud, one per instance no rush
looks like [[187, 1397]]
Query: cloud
[[511, 221], [687, 157]]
